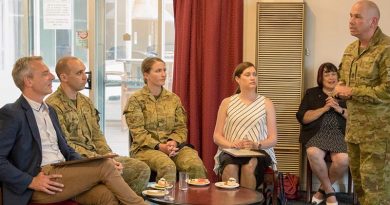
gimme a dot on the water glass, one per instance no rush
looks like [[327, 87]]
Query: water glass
[[183, 179], [170, 191]]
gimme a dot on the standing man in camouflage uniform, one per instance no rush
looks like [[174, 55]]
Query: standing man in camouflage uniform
[[157, 124], [79, 122], [365, 68]]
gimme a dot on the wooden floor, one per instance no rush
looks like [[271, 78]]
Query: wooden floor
[[343, 199]]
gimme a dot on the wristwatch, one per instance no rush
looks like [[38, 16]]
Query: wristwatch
[[259, 146], [157, 147]]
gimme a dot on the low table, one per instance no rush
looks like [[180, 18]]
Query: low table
[[212, 195]]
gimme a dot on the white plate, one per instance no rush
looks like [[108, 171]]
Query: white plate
[[154, 193], [155, 186], [224, 186], [196, 182]]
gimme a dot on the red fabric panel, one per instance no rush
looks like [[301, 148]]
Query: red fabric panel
[[208, 46]]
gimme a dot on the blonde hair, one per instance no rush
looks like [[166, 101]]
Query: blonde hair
[[22, 69]]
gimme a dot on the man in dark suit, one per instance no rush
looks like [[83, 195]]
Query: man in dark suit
[[31, 140]]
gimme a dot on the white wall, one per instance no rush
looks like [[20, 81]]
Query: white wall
[[326, 36], [326, 31]]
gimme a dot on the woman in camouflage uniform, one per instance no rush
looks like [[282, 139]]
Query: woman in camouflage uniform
[[157, 125]]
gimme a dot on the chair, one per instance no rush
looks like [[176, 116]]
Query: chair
[[309, 175], [67, 202], [271, 185]]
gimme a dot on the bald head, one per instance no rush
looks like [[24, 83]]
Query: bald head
[[370, 8], [363, 22], [63, 65]]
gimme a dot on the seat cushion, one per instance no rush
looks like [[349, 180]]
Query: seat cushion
[[67, 202]]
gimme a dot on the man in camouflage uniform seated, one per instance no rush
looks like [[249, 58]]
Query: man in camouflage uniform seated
[[79, 122], [365, 68], [157, 123]]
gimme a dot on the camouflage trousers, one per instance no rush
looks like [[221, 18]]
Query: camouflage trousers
[[370, 168], [186, 160], [135, 173]]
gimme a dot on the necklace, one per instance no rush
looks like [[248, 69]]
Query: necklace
[[327, 92]]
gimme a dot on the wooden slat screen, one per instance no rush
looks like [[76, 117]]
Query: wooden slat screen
[[279, 63]]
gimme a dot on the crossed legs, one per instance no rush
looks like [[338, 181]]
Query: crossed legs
[[327, 176], [90, 182]]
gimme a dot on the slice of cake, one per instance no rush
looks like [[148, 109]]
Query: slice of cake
[[162, 182], [231, 182]]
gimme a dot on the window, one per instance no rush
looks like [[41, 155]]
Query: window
[[135, 29], [53, 39], [13, 44]]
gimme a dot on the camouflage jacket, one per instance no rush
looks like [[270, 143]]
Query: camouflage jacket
[[368, 74], [80, 124], [152, 121]]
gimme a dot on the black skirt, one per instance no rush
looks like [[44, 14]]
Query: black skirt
[[329, 138], [262, 163]]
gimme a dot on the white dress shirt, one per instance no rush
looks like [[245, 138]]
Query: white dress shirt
[[50, 150]]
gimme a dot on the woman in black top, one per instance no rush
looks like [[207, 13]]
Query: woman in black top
[[323, 118]]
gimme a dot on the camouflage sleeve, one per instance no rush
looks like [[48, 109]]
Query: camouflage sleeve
[[135, 120], [101, 143], [97, 135], [340, 71], [179, 134], [79, 149], [379, 93]]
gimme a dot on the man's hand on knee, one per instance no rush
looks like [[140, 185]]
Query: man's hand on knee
[[118, 166], [46, 183]]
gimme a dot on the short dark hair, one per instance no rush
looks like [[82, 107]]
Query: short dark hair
[[325, 68], [62, 65]]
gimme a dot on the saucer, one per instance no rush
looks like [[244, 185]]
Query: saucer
[[224, 186], [198, 182], [156, 186], [154, 193]]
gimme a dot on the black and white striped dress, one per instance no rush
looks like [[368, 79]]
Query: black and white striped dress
[[245, 121]]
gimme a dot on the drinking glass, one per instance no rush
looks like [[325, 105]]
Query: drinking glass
[[183, 179], [170, 191]]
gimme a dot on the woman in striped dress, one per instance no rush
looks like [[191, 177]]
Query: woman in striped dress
[[245, 120]]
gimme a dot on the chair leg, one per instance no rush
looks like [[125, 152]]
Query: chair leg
[[308, 182], [349, 182], [354, 195], [276, 184]]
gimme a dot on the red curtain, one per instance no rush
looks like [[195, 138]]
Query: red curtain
[[208, 46]]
